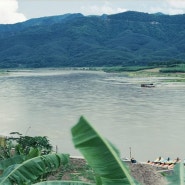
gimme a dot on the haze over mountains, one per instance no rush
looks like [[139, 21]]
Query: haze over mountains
[[129, 38]]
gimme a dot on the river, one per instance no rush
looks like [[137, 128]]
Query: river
[[150, 121]]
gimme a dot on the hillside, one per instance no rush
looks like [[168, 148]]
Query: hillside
[[130, 38]]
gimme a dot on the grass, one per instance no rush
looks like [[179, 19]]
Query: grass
[[155, 72], [126, 69]]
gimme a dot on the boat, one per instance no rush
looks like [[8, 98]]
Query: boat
[[148, 85]]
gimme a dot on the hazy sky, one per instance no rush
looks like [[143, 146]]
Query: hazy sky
[[12, 11]]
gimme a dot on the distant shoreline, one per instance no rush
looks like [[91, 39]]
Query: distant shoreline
[[133, 71]]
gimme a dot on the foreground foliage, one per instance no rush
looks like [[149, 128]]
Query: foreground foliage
[[62, 183], [30, 170], [100, 154], [178, 176]]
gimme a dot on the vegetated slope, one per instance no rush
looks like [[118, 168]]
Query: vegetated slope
[[130, 38]]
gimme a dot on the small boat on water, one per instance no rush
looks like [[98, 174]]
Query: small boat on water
[[148, 85]]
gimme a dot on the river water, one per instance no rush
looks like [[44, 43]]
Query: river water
[[150, 121]]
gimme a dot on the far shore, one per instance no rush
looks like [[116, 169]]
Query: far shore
[[132, 72]]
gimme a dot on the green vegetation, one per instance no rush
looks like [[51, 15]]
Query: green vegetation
[[74, 40], [178, 177], [27, 160], [33, 169], [102, 156], [126, 69], [24, 145], [171, 66], [179, 68], [175, 70]]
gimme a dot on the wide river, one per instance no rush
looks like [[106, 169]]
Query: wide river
[[150, 121]]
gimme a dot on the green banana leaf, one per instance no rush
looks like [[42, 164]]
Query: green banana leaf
[[62, 183], [29, 171], [11, 161], [178, 175], [100, 155], [18, 159], [34, 152]]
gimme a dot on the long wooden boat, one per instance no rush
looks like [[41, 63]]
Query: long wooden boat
[[148, 85]]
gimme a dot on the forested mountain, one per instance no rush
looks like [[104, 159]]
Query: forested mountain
[[129, 38]]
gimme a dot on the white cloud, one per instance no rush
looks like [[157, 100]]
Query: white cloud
[[168, 10], [171, 7], [173, 11], [9, 12], [179, 4], [175, 6], [106, 8]]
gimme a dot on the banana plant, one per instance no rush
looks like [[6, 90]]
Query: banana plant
[[178, 175], [11, 161], [18, 159], [101, 155], [62, 183], [29, 171]]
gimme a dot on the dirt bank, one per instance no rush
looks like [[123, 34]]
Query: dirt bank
[[78, 169], [147, 175]]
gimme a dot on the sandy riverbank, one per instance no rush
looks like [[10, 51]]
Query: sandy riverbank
[[143, 173], [147, 174]]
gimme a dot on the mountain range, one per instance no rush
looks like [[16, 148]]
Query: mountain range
[[74, 40]]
